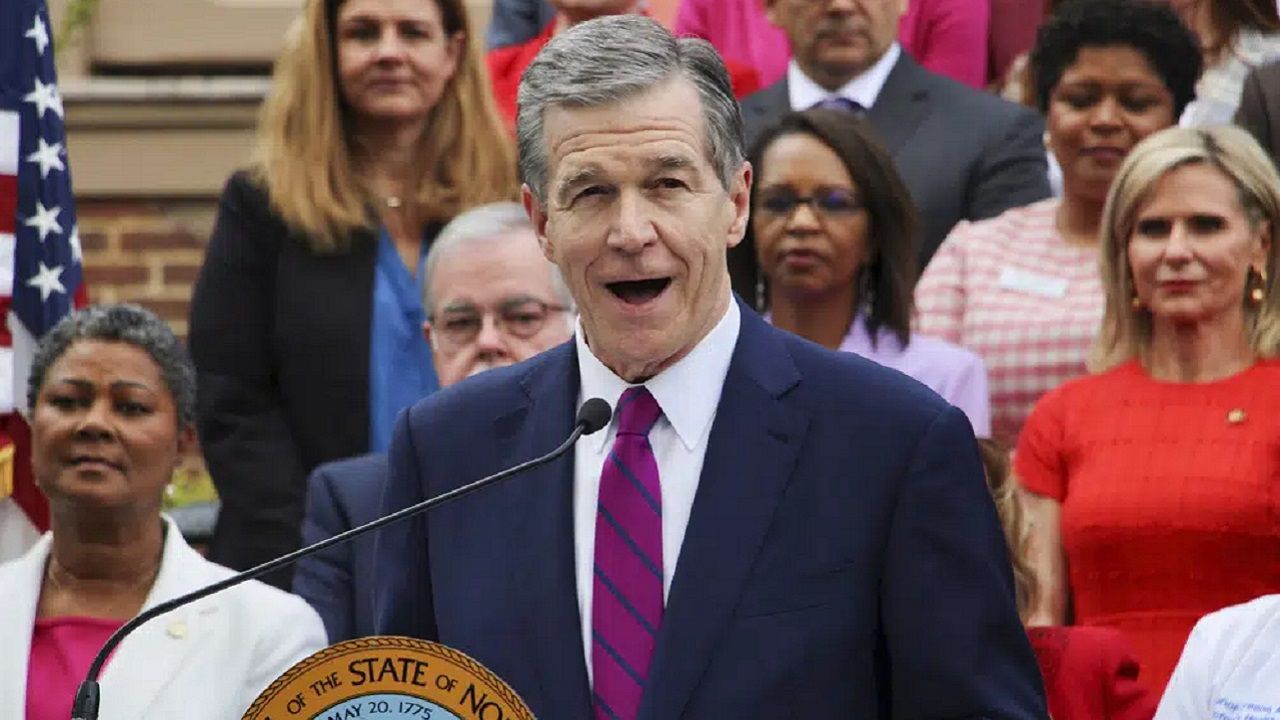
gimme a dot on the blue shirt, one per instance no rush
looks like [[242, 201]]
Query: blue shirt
[[400, 367]]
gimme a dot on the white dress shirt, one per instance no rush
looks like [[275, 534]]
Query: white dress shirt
[[1230, 667], [688, 393], [864, 89]]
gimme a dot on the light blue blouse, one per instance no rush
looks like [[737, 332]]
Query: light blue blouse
[[400, 367]]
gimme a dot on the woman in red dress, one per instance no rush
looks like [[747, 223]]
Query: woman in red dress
[[1090, 673], [1155, 482]]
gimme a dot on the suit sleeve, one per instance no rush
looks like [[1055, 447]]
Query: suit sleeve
[[324, 579], [1013, 170], [245, 438], [402, 582], [1252, 113], [955, 41], [947, 597], [285, 637]]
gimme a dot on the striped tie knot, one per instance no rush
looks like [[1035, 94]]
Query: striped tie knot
[[637, 411], [844, 104]]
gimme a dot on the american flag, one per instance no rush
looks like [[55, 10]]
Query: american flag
[[40, 272]]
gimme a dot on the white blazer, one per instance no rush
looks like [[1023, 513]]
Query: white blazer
[[208, 660]]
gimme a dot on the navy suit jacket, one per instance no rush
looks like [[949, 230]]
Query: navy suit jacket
[[843, 558], [963, 153], [338, 581]]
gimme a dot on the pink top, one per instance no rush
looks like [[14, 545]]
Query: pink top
[[61, 650], [1012, 290], [948, 37]]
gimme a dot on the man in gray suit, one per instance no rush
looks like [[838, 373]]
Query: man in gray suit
[[964, 154]]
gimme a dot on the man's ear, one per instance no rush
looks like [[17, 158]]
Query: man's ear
[[426, 332], [740, 196], [538, 216]]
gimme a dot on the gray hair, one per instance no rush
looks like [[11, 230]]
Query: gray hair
[[495, 222], [609, 59], [124, 323]]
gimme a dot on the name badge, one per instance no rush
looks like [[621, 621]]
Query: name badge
[[1032, 283]]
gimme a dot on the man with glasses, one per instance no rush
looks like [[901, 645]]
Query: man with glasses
[[492, 300]]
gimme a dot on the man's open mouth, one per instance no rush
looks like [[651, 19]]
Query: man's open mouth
[[638, 292]]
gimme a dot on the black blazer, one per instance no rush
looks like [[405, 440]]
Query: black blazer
[[280, 339], [1259, 110], [963, 153]]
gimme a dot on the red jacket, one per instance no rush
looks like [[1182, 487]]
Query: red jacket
[[507, 64], [1090, 673]]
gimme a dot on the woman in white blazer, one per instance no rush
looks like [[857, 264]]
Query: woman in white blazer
[[112, 397]]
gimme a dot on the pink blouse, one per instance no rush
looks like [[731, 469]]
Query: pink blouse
[[61, 650]]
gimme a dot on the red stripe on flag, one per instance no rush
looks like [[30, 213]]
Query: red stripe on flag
[[8, 204]]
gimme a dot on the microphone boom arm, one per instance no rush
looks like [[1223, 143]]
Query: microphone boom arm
[[88, 695]]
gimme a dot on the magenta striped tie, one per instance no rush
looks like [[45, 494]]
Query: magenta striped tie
[[626, 605]]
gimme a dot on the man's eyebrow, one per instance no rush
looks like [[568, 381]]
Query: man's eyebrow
[[579, 177], [670, 162]]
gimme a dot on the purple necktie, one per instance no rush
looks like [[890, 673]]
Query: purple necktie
[[836, 102], [626, 596]]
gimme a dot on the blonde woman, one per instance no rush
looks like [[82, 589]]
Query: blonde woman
[[306, 323], [1153, 481]]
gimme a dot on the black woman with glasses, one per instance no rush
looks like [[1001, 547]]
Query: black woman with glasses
[[829, 255], [491, 299]]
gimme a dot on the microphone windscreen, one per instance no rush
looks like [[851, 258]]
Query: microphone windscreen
[[593, 415]]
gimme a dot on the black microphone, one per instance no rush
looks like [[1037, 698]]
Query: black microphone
[[592, 416]]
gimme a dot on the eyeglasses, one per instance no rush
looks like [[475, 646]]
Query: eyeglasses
[[829, 202], [522, 317]]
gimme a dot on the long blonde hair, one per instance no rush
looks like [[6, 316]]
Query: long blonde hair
[[1126, 331], [1007, 495], [304, 154]]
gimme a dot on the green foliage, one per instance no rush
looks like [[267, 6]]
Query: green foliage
[[79, 13]]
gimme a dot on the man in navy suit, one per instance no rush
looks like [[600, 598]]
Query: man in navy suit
[[766, 529], [493, 301]]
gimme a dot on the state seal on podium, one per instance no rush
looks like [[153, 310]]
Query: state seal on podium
[[388, 678]]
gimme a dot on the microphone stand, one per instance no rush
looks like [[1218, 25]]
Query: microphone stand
[[88, 696]]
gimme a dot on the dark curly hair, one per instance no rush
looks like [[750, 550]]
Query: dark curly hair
[[1147, 26], [124, 323]]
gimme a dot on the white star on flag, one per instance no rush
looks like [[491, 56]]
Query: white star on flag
[[47, 280], [45, 97], [47, 157], [45, 220], [40, 34], [74, 242]]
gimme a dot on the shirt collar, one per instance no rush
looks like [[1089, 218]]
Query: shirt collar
[[864, 89], [688, 391]]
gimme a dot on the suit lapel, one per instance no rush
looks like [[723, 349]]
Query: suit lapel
[[21, 580], [166, 641], [540, 536], [750, 458], [902, 104]]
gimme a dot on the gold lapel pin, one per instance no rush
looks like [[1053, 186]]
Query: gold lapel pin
[[1235, 416]]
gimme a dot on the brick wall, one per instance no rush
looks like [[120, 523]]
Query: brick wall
[[147, 252]]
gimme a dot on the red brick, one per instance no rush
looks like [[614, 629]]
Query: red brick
[[166, 309], [135, 241], [92, 209], [116, 274], [180, 274], [92, 242]]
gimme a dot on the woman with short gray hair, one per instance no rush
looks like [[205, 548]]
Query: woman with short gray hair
[[112, 397]]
